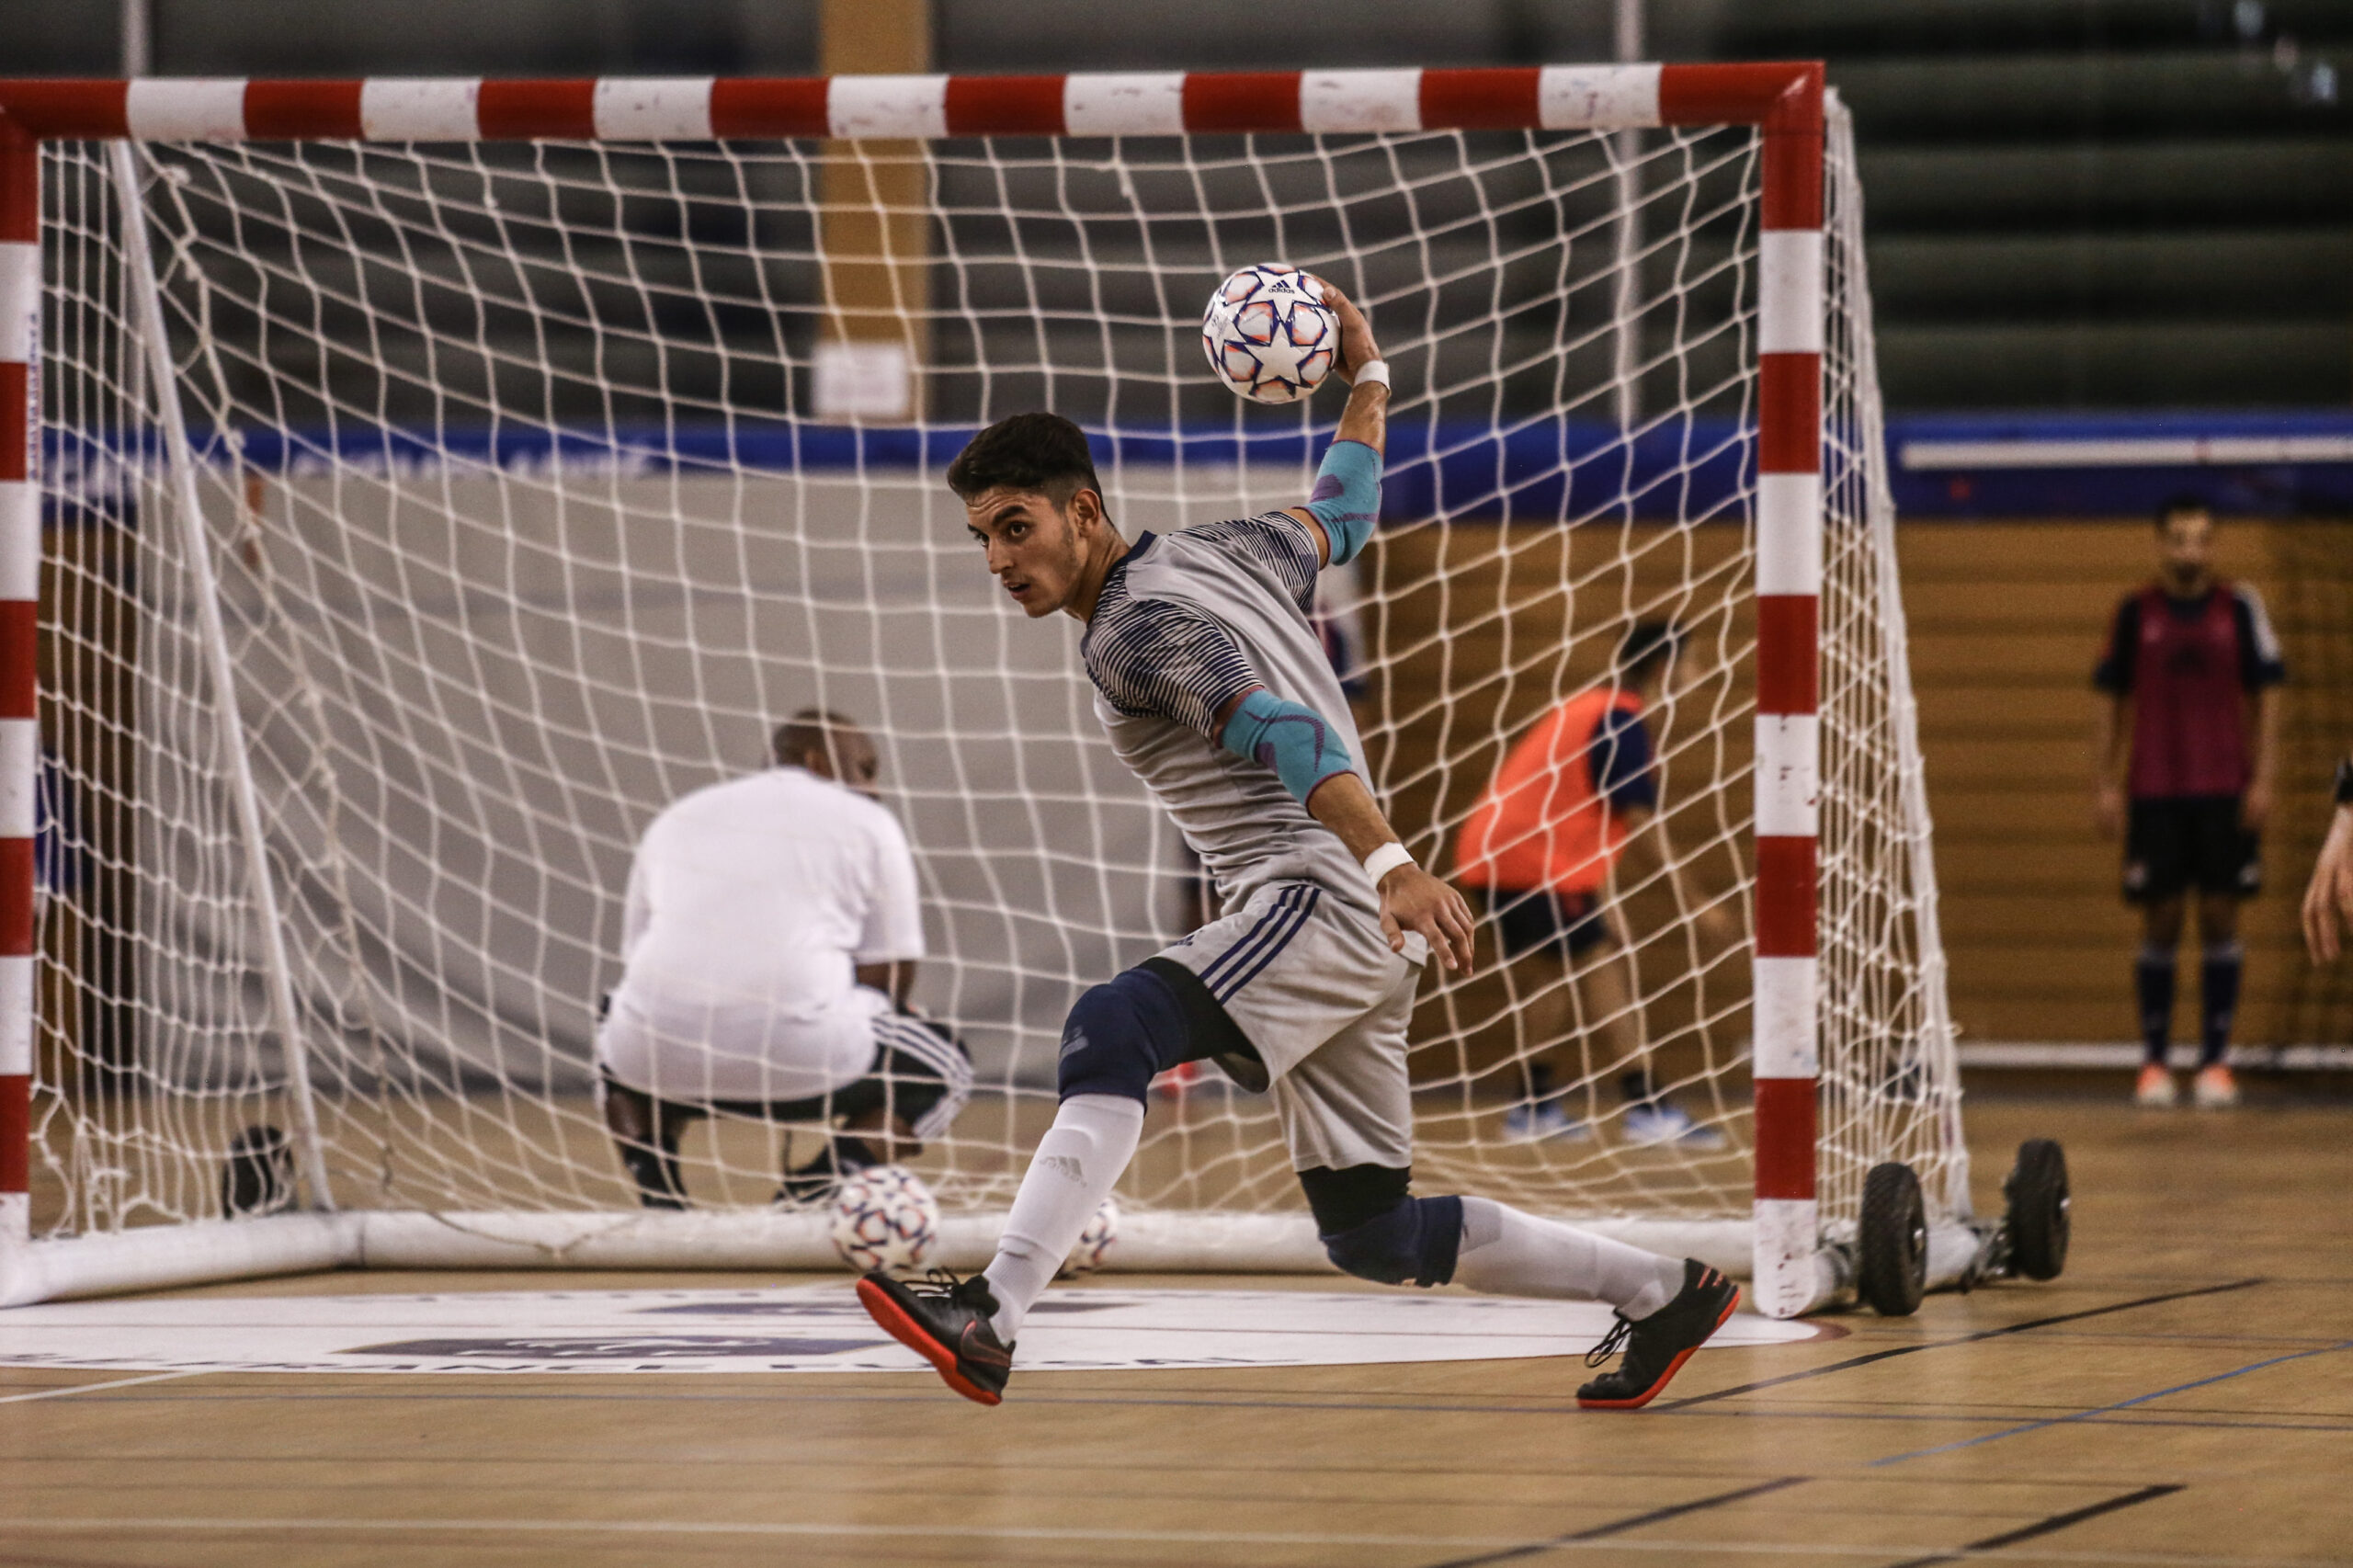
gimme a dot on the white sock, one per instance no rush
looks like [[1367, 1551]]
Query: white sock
[[1078, 1159], [1506, 1253]]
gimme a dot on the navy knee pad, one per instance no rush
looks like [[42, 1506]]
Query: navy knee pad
[[1416, 1241], [1120, 1037]]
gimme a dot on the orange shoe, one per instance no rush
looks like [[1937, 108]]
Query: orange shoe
[[2155, 1091], [2216, 1089]]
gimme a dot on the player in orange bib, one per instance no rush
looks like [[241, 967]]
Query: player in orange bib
[[1575, 795]]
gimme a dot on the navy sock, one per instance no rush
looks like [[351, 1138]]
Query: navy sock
[[2153, 987], [2218, 998], [1540, 1081]]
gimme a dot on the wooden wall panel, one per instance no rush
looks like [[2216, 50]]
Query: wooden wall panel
[[2006, 622], [1480, 634]]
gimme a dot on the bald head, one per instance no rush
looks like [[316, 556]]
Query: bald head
[[828, 746]]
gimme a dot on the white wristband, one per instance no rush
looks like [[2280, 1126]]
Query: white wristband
[[1385, 859], [1373, 373]]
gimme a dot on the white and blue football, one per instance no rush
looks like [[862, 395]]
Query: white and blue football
[[1268, 334], [886, 1218]]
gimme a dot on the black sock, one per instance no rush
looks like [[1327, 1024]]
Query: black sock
[[2218, 998], [2153, 985], [659, 1184], [1638, 1088], [1539, 1081]]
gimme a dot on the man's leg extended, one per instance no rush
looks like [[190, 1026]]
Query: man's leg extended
[[1370, 1228], [1667, 1307], [1348, 1115], [1118, 1037]]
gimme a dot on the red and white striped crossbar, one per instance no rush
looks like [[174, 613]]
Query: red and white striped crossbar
[[621, 109], [1783, 99]]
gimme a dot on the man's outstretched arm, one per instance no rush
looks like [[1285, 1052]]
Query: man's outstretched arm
[[1347, 500]]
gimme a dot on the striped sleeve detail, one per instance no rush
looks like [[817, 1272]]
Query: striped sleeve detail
[[940, 1056], [2262, 661], [1158, 659], [1276, 541]]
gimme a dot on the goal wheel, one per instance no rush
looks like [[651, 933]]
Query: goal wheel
[[2037, 1193], [1892, 1272], [258, 1176]]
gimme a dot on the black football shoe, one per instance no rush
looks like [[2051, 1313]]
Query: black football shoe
[[1657, 1347], [946, 1321]]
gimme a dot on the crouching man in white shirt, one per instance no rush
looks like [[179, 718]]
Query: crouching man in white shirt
[[769, 945]]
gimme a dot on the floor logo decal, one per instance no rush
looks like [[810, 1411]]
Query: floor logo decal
[[798, 1328]]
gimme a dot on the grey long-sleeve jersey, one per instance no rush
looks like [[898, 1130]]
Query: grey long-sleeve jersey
[[1187, 622]]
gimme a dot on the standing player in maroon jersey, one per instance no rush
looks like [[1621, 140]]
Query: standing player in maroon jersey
[[2191, 728]]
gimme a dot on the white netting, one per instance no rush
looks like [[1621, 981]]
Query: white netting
[[507, 463]]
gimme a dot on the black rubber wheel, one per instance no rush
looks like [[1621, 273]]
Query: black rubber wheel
[[2036, 1191], [258, 1176], [1891, 1267]]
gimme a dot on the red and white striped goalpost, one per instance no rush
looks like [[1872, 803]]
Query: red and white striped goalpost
[[19, 639], [1783, 100]]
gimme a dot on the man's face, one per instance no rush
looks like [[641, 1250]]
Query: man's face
[[848, 759], [1034, 548], [2186, 548]]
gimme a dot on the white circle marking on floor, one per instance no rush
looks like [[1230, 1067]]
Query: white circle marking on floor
[[798, 1328]]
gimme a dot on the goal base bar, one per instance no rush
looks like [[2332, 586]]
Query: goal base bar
[[167, 1256]]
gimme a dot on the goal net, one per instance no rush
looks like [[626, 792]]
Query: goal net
[[423, 512]]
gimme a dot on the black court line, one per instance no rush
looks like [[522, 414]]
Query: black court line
[[2046, 1424], [1619, 1527], [1853, 1361], [2043, 1526]]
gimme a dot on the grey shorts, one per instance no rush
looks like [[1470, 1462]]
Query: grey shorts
[[1311, 983]]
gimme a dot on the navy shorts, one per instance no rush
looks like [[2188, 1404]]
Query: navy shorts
[[1535, 921], [2194, 841]]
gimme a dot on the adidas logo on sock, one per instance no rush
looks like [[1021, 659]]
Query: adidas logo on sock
[[1064, 1166]]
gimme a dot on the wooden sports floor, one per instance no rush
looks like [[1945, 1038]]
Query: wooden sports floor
[[2184, 1395]]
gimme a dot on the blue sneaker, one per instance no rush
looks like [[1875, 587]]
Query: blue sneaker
[[1544, 1122], [1661, 1122]]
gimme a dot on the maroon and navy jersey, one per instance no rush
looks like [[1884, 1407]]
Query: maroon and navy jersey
[[2189, 667]]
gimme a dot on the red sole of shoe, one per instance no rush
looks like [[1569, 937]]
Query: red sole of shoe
[[1665, 1378], [909, 1333]]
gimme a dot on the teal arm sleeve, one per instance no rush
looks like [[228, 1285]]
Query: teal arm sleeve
[[1292, 740], [1346, 497]]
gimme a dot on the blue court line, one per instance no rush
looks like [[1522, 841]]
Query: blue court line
[[2109, 1409]]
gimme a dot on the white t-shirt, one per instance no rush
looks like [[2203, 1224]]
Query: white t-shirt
[[761, 895]]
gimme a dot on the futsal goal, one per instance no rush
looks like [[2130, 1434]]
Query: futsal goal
[[407, 487]]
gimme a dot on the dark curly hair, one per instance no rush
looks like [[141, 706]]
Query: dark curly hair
[[1043, 453]]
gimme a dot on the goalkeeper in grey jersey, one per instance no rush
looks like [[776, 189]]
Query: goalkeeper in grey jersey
[[1214, 689]]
